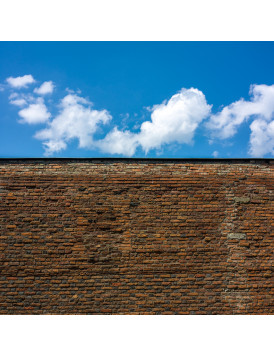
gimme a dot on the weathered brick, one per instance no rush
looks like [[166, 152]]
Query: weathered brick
[[115, 236]]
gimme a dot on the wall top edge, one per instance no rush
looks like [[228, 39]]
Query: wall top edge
[[141, 160]]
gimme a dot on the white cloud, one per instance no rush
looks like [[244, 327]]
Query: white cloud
[[172, 121], [35, 113], [261, 138], [119, 142], [20, 82], [45, 88], [18, 102], [13, 96], [21, 99], [76, 120], [261, 104]]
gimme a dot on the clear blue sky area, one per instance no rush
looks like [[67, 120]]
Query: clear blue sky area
[[139, 99]]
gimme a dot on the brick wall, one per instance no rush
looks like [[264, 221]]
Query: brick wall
[[141, 236]]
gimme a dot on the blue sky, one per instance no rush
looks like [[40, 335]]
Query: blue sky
[[137, 99]]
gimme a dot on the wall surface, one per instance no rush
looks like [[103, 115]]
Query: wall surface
[[136, 236]]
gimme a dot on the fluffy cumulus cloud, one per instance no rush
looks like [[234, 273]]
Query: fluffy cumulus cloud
[[119, 142], [172, 121], [18, 102], [20, 82], [262, 138], [261, 104], [260, 108], [21, 99], [35, 113], [45, 88], [76, 120]]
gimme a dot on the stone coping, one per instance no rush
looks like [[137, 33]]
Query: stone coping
[[140, 160]]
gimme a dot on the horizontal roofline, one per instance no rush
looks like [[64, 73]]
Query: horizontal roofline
[[145, 160]]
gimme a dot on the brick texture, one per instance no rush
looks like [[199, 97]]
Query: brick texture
[[121, 236]]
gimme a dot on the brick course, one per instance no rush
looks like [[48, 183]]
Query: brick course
[[125, 236]]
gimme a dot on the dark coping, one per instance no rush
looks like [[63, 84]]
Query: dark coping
[[105, 160]]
